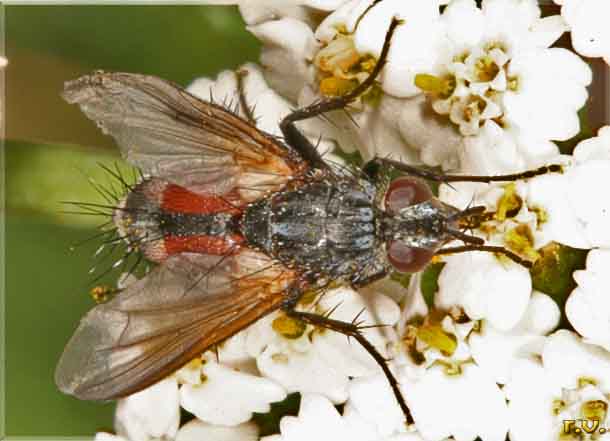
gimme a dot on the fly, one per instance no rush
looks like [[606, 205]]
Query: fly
[[240, 224]]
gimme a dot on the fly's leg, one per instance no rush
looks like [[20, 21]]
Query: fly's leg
[[489, 249], [353, 330], [297, 140], [248, 111], [375, 166]]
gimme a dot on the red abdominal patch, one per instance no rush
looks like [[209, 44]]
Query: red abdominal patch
[[178, 199], [214, 245]]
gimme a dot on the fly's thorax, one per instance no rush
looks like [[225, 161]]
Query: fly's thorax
[[326, 229]]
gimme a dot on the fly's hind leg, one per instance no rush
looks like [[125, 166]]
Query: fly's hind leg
[[353, 330], [297, 140]]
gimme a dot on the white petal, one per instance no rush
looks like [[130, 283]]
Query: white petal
[[306, 372], [471, 405], [551, 89], [373, 398], [196, 430], [414, 305], [594, 148], [492, 152], [567, 359], [530, 395], [496, 351], [254, 13], [485, 287], [151, 413], [562, 225], [288, 48], [464, 23], [233, 353], [589, 25], [247, 393], [593, 212], [434, 137], [349, 356], [542, 315], [317, 420], [103, 436], [370, 34], [345, 16], [547, 30], [588, 307]]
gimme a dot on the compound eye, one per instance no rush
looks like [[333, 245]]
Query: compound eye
[[404, 192], [406, 259]]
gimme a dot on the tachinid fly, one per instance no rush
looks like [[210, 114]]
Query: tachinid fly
[[241, 224]]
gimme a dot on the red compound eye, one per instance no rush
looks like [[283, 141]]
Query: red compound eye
[[406, 191], [406, 259]]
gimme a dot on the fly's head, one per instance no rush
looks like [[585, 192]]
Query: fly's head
[[417, 224]]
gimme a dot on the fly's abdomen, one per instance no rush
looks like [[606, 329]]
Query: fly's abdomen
[[161, 219]]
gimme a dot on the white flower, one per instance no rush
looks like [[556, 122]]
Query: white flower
[[571, 382], [209, 401], [588, 307], [258, 11], [588, 22], [196, 430], [496, 351], [319, 420], [319, 361], [502, 69], [447, 392], [466, 405], [575, 214], [150, 413], [485, 287], [266, 105]]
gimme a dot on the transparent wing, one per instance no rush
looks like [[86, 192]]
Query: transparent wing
[[166, 319], [169, 133]]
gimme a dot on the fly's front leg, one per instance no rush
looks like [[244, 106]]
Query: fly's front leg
[[297, 140], [374, 168], [353, 330]]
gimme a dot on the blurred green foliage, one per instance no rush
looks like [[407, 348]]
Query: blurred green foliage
[[174, 42], [46, 283]]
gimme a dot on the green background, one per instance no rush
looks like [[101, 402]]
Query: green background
[[51, 149]]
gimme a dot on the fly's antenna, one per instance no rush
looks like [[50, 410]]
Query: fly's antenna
[[466, 238], [467, 218]]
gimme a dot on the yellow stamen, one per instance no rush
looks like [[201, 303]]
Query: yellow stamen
[[512, 83], [333, 86], [558, 406], [521, 240], [436, 337], [486, 69], [541, 215], [443, 87], [586, 381], [509, 204], [288, 327]]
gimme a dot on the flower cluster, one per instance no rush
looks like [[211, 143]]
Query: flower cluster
[[488, 350]]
